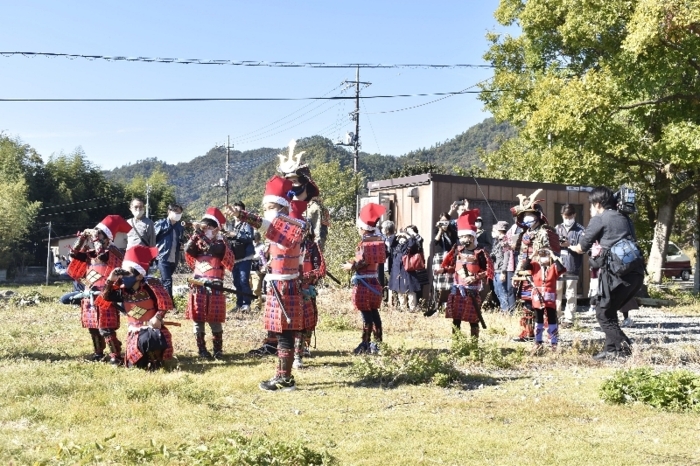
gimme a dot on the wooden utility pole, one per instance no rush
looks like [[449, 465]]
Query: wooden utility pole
[[48, 256], [228, 155]]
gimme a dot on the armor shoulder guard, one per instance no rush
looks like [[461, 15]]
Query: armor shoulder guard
[[163, 300], [286, 231]]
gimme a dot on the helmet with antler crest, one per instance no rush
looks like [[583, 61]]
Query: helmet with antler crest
[[290, 163], [529, 204]]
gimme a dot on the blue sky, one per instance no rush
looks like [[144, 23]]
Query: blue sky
[[113, 134]]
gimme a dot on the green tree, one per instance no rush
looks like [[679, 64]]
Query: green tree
[[602, 92], [162, 193], [17, 211]]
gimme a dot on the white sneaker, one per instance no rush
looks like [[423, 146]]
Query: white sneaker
[[298, 363], [244, 308], [627, 323]]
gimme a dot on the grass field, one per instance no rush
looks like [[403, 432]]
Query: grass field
[[56, 408]]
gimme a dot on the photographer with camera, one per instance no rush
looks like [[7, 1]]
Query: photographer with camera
[[445, 239], [569, 232], [620, 261], [240, 239]]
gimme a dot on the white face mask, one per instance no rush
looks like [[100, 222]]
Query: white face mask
[[209, 233], [270, 215], [545, 261], [174, 217], [478, 224], [138, 213], [569, 222], [529, 220], [594, 211]]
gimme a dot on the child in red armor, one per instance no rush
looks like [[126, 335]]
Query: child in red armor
[[91, 266], [208, 255], [546, 269], [366, 290], [285, 313], [146, 301], [470, 266]]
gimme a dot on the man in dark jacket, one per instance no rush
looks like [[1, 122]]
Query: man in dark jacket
[[608, 227], [169, 233], [569, 232], [240, 239]]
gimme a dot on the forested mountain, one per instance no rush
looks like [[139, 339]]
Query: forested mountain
[[250, 169]]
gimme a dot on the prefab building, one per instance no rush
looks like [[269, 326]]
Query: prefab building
[[418, 200]]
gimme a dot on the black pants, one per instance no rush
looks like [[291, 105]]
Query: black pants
[[610, 302]]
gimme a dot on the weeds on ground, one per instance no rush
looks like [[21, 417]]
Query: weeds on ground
[[489, 354], [682, 297], [230, 449], [677, 390], [395, 366]]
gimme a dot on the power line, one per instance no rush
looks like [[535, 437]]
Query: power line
[[80, 210], [248, 141], [372, 128], [288, 122], [247, 99], [76, 202], [248, 63], [283, 118], [463, 91]]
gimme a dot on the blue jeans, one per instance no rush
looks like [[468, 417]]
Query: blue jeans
[[167, 269], [510, 291], [499, 287], [241, 281]]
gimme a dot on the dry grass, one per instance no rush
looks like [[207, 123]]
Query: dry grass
[[546, 409]]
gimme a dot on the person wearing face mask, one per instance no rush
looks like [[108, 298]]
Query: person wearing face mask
[[169, 233], [402, 282], [500, 254], [94, 256], [285, 314], [610, 227], [143, 231], [445, 239], [482, 238], [208, 255], [366, 290], [536, 234], [469, 266], [146, 301], [546, 268], [569, 232]]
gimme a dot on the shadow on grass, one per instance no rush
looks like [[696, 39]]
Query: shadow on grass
[[195, 364], [42, 356]]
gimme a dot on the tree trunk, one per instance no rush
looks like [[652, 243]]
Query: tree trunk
[[662, 231]]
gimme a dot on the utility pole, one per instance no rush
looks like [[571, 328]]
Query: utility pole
[[148, 195], [228, 155], [354, 140], [48, 256], [357, 122]]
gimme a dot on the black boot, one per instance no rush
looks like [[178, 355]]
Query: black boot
[[98, 346], [218, 342], [202, 346]]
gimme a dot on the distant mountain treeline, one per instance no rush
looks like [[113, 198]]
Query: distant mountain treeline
[[250, 169]]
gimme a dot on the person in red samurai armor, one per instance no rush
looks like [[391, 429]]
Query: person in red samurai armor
[[285, 313], [146, 301], [94, 256], [535, 234], [314, 269], [209, 256], [470, 266], [366, 290], [546, 269]]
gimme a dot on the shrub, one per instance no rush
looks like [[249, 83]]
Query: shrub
[[487, 353], [395, 366], [677, 390], [231, 449]]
